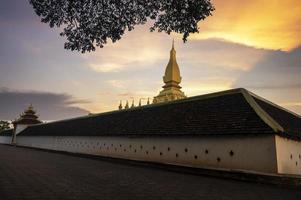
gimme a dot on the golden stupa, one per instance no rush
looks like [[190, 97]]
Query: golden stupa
[[172, 78]]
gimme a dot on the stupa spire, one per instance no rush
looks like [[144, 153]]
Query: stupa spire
[[172, 75], [173, 44], [172, 78]]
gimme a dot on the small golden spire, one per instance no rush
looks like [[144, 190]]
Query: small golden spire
[[139, 102], [148, 101], [133, 105], [30, 107], [120, 105], [127, 104]]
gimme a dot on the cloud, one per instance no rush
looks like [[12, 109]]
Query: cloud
[[261, 23], [278, 70], [277, 77], [140, 50], [22, 11], [125, 94], [222, 54], [105, 67], [117, 83], [32, 58], [275, 86], [207, 85], [49, 106]]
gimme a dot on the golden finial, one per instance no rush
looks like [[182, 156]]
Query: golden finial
[[127, 104], [120, 105], [132, 106], [139, 102], [30, 107], [148, 101]]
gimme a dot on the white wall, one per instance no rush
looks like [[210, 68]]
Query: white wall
[[20, 127], [5, 139], [255, 153], [288, 155]]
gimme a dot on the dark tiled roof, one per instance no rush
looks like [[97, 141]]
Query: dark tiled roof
[[7, 132], [221, 113], [290, 122], [27, 121], [230, 112]]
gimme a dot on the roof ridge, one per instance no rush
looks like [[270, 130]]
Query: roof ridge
[[274, 104], [193, 98], [270, 121]]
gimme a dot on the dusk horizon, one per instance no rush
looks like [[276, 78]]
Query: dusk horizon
[[234, 49], [150, 99]]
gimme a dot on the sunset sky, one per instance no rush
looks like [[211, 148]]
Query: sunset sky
[[251, 44]]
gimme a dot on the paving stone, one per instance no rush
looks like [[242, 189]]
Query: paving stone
[[33, 174]]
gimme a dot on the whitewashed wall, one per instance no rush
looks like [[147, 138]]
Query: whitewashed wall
[[255, 153], [20, 127], [5, 139], [288, 155]]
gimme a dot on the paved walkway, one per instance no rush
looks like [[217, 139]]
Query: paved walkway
[[33, 174]]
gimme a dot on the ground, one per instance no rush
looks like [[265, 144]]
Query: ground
[[33, 174]]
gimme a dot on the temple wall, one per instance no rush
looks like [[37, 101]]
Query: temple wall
[[5, 139], [255, 153], [20, 127], [288, 155]]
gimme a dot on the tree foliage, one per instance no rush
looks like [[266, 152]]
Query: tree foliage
[[90, 23], [4, 125]]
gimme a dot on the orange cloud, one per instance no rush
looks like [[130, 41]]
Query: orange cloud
[[271, 24], [209, 85]]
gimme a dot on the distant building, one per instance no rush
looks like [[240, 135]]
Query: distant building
[[233, 130], [27, 118]]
